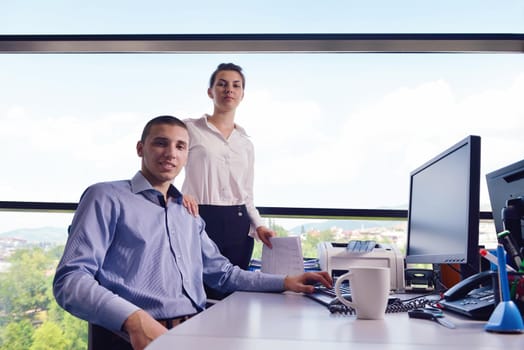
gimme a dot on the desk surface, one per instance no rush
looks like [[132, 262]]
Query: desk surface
[[269, 321]]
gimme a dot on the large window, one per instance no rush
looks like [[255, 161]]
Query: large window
[[337, 130], [331, 129]]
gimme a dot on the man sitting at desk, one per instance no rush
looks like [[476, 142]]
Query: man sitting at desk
[[136, 259]]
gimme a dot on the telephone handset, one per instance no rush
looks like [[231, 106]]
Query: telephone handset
[[461, 289], [473, 297]]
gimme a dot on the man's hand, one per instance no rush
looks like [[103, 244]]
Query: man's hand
[[304, 283], [142, 329], [191, 204], [264, 234]]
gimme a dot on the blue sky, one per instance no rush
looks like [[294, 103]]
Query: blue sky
[[275, 16]]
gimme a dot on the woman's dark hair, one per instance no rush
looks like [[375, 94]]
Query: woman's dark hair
[[163, 119], [227, 66]]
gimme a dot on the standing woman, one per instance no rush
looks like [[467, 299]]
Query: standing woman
[[220, 170]]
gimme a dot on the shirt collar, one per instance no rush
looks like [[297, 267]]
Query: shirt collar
[[237, 128], [140, 184]]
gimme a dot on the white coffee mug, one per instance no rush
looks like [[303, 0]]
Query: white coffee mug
[[370, 287]]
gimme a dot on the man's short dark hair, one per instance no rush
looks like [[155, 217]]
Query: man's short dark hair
[[163, 119]]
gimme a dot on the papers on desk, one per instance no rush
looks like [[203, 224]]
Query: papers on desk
[[285, 258]]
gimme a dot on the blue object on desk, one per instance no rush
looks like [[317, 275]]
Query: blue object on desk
[[493, 266], [506, 317]]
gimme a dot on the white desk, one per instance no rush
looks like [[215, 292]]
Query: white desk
[[265, 321]]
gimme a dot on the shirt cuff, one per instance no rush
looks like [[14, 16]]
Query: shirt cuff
[[115, 313]]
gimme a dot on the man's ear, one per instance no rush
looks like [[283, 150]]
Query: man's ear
[[140, 148], [210, 93]]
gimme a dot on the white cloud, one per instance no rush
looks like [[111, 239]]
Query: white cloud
[[389, 137], [49, 151], [300, 148]]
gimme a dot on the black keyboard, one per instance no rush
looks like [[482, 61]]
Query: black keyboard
[[344, 289], [326, 295], [328, 298]]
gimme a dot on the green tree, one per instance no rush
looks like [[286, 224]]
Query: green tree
[[55, 253], [75, 329], [27, 302], [17, 336], [309, 244], [49, 336], [24, 288]]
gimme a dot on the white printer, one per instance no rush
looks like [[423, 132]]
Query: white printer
[[337, 258]]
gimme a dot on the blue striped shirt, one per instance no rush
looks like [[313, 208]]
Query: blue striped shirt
[[128, 250]]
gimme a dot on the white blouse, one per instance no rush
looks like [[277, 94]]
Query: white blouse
[[220, 171]]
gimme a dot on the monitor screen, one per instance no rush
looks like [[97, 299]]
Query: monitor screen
[[443, 215], [505, 184]]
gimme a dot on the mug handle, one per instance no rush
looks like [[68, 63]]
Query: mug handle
[[340, 298]]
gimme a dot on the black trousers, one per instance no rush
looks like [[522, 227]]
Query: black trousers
[[228, 227], [103, 339], [100, 338]]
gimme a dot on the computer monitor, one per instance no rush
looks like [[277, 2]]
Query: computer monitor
[[506, 184], [444, 214]]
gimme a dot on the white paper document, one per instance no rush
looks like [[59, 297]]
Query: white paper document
[[285, 258]]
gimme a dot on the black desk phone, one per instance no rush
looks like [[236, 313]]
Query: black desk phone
[[473, 297]]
